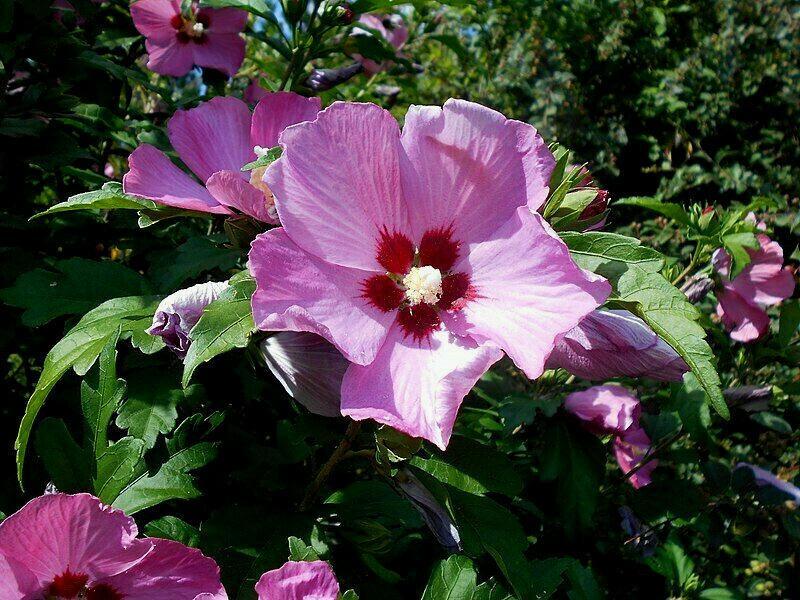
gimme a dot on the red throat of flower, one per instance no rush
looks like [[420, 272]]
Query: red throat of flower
[[74, 586], [420, 283], [192, 28]]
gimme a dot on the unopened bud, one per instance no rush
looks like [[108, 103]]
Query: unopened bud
[[753, 398], [433, 513], [345, 14], [325, 79], [697, 287]]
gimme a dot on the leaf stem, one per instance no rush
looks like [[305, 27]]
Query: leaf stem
[[339, 453]]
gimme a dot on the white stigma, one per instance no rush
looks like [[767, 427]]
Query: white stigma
[[423, 284], [259, 151], [197, 29]]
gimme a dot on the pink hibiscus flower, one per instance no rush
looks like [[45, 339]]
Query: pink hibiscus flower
[[176, 42], [215, 140], [605, 408], [763, 282], [392, 28], [299, 581], [419, 256], [629, 449], [61, 547]]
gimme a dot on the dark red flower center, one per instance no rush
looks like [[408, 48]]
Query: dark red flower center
[[419, 283], [69, 586], [192, 28]]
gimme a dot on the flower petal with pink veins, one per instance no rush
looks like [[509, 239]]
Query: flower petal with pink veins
[[296, 291], [745, 321], [309, 368], [528, 291], [16, 581], [764, 280], [276, 111], [213, 137], [470, 167], [169, 56], [337, 184], [58, 531], [229, 189], [221, 51], [605, 408], [299, 581], [154, 176], [152, 18], [171, 571], [225, 20], [417, 387]]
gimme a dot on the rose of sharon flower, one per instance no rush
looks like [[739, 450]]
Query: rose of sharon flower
[[419, 256], [629, 450], [179, 312], [215, 140], [615, 343], [61, 547], [299, 581], [176, 42], [392, 28], [763, 282], [605, 408]]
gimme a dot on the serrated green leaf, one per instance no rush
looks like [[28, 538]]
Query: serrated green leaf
[[173, 528], [151, 407], [108, 197], [101, 393], [65, 461], [456, 579], [225, 324], [673, 211], [117, 466], [300, 551]]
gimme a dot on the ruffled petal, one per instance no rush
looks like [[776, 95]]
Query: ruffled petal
[[309, 368], [275, 111], [229, 189], [299, 292], [527, 291], [305, 580], [213, 137], [221, 51], [152, 18], [764, 280], [417, 386], [154, 176], [470, 167], [337, 184]]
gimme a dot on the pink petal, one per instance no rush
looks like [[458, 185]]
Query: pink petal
[[746, 322], [299, 292], [309, 368], [152, 175], [213, 137], [605, 408], [299, 581], [417, 387], [16, 581], [529, 291], [229, 189], [629, 449], [171, 571], [254, 92], [58, 531], [221, 51], [337, 183], [276, 111], [152, 18], [169, 57], [763, 280], [225, 20], [614, 343], [471, 167]]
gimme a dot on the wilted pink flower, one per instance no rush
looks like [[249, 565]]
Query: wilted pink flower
[[299, 581], [629, 449], [763, 282], [419, 256], [179, 312], [605, 408], [615, 343], [309, 368], [392, 28], [176, 42], [63, 547], [215, 140]]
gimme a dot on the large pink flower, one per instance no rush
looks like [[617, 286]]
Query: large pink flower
[[299, 581], [763, 282], [419, 256], [392, 28], [63, 546], [615, 343], [176, 42], [216, 140], [605, 408]]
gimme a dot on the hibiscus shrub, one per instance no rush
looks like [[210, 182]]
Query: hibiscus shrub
[[321, 342]]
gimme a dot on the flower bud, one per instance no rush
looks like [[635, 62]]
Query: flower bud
[[697, 287], [325, 79], [434, 514]]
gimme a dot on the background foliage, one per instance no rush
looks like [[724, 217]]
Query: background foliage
[[692, 102]]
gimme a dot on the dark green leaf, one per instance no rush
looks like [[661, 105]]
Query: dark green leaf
[[101, 393], [673, 211], [66, 462], [173, 528], [116, 468], [108, 197]]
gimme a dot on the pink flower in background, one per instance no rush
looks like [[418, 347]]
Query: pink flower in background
[[419, 256], [605, 408], [615, 343], [176, 42], [215, 140], [629, 449], [179, 312], [63, 547], [393, 30], [299, 581], [763, 282], [254, 92]]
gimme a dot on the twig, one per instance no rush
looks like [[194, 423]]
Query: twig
[[322, 475]]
